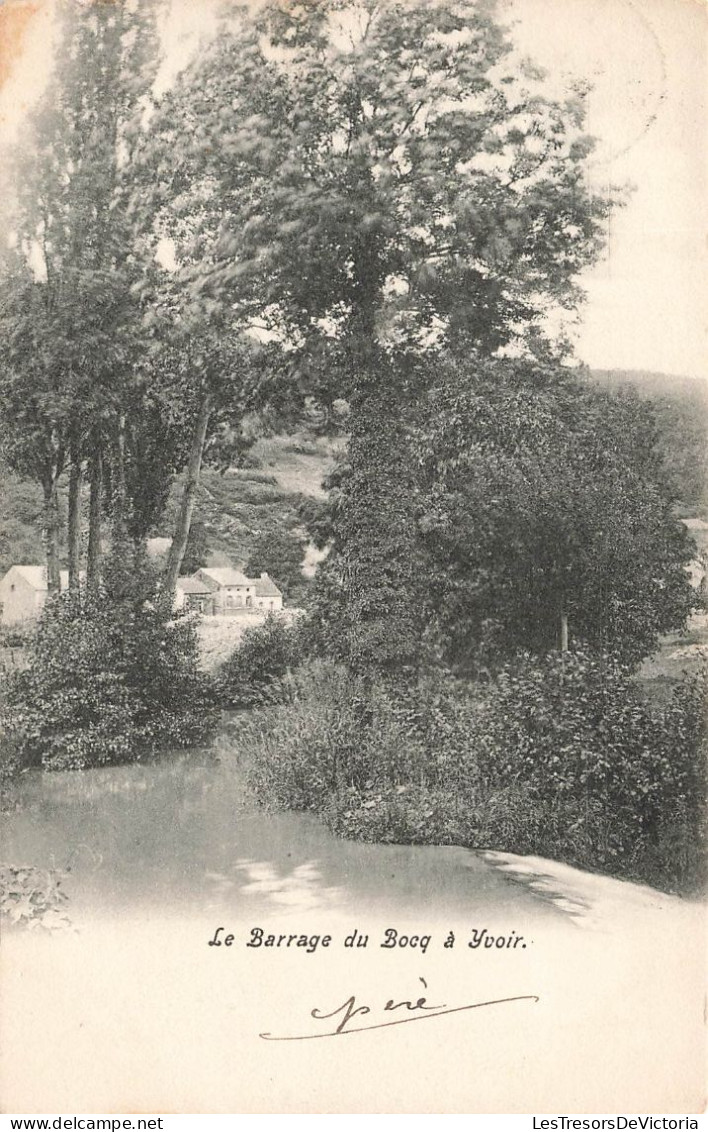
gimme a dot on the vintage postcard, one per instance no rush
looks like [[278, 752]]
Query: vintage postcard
[[353, 556]]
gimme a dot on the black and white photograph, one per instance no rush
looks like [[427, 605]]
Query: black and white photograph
[[353, 557]]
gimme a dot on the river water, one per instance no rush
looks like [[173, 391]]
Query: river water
[[589, 998], [182, 836]]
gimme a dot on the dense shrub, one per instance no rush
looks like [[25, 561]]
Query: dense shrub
[[627, 780], [33, 896], [9, 768], [257, 671], [334, 733], [13, 636], [573, 724], [561, 758], [108, 680]]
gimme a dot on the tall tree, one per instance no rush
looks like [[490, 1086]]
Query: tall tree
[[390, 184], [211, 370], [72, 251], [543, 503], [281, 554]]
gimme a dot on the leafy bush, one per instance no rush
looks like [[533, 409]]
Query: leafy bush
[[340, 736], [13, 636], [561, 758], [279, 553], [108, 680], [257, 670], [310, 747], [576, 727], [9, 768], [32, 897]]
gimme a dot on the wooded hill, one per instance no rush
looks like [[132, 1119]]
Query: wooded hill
[[681, 406], [280, 472], [235, 506]]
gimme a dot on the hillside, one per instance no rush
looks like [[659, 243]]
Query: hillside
[[234, 506], [649, 383], [681, 407], [238, 505]]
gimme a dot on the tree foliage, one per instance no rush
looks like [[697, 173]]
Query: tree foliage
[[543, 497], [70, 330], [402, 180], [525, 496], [363, 178], [279, 553], [109, 679]]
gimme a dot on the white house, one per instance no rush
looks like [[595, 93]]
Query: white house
[[23, 592], [268, 596], [231, 589], [222, 589], [194, 595]]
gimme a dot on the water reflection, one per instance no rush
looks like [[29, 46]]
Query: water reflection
[[302, 888]]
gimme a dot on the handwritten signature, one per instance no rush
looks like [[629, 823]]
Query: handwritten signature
[[411, 1011]]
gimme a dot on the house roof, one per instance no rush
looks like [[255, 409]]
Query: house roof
[[192, 586], [266, 587], [226, 576], [36, 577]]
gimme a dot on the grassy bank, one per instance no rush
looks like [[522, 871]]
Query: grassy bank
[[562, 759]]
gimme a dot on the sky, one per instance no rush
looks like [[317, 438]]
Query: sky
[[647, 61], [648, 300]]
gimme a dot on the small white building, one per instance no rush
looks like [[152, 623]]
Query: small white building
[[23, 592], [231, 590], [268, 596], [222, 589], [193, 595]]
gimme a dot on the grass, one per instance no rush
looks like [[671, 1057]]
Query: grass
[[299, 463]]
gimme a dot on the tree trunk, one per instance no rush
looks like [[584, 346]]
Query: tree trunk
[[93, 565], [386, 599], [74, 525], [184, 518], [50, 534], [563, 634], [119, 488]]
